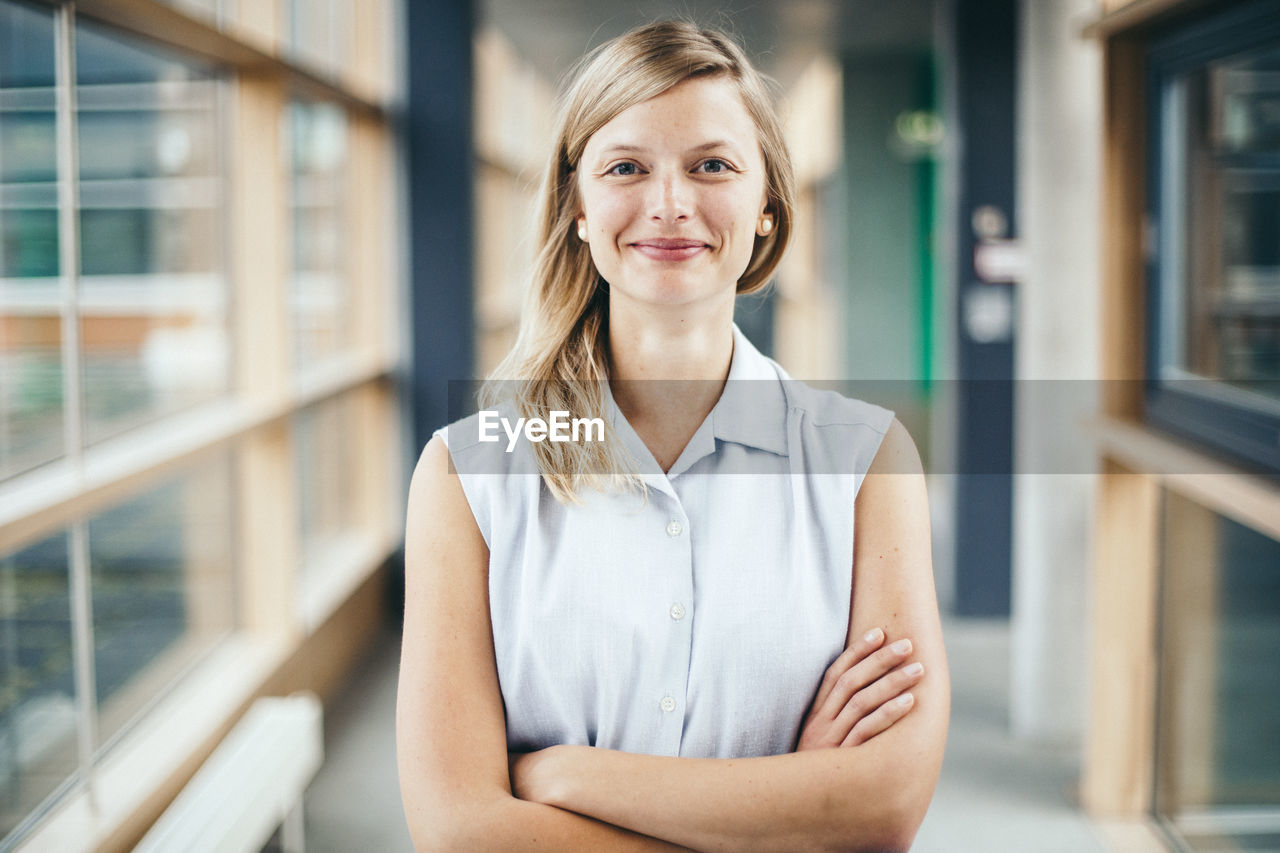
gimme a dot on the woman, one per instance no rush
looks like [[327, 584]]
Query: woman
[[624, 644]]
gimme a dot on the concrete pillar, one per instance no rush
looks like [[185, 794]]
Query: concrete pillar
[[1059, 147]]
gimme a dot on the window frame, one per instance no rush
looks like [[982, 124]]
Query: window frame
[[124, 781], [1207, 412]]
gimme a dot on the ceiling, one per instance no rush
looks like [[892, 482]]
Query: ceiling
[[778, 34]]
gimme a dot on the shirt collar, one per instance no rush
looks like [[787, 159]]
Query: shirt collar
[[752, 409]]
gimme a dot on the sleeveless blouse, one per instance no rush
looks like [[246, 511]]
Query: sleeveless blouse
[[696, 620]]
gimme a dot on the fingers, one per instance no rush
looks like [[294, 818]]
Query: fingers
[[874, 706], [880, 719], [860, 693], [859, 649], [868, 670]]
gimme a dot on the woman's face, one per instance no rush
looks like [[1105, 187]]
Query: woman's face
[[673, 195]]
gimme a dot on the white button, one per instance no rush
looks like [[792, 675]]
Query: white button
[[667, 704], [677, 611], [673, 528]]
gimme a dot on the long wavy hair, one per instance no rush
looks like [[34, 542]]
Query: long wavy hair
[[560, 358]]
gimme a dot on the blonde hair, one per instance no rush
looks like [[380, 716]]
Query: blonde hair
[[560, 358]]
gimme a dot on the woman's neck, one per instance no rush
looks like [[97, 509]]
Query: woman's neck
[[667, 374], [670, 345]]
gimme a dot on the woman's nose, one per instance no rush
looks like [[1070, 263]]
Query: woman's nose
[[669, 198]]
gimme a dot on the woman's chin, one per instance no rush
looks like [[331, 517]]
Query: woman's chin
[[670, 294]]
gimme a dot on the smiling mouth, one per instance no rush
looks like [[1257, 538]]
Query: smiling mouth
[[669, 250]]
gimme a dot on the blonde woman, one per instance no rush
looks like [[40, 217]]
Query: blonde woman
[[711, 622]]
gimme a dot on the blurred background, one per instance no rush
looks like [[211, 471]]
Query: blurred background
[[246, 244]]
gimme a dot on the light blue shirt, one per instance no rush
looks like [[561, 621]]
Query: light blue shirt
[[696, 621]]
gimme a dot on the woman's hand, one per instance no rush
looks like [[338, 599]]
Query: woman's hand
[[862, 693]]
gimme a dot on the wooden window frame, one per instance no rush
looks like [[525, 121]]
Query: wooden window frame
[[285, 641], [1138, 464], [1198, 410]]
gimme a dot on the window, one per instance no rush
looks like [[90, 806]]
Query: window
[[1214, 201], [317, 134], [156, 575], [199, 460], [325, 481], [38, 722], [1218, 747], [144, 318], [32, 418], [152, 292], [207, 9], [316, 28], [162, 586], [113, 315]]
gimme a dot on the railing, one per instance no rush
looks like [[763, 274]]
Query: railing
[[251, 784]]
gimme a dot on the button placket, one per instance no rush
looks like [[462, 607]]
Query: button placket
[[678, 606]]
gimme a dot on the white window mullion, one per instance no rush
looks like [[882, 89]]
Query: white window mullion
[[72, 395], [82, 654], [69, 231]]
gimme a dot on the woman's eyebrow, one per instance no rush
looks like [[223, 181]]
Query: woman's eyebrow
[[718, 143], [621, 148]]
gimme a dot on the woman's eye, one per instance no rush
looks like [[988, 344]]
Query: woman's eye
[[713, 166], [624, 169]]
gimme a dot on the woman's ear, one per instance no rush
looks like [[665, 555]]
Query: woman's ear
[[582, 227]]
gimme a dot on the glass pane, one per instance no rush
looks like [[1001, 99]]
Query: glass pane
[[319, 31], [1218, 762], [325, 481], [318, 134], [153, 291], [204, 9], [163, 588], [38, 743], [31, 425], [1220, 257]]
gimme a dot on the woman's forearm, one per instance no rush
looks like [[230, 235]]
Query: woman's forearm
[[831, 799], [508, 824]]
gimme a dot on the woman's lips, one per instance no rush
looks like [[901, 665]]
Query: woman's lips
[[668, 250]]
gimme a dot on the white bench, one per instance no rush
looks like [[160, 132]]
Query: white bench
[[251, 784]]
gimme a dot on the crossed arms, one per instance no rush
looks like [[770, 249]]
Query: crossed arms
[[868, 789]]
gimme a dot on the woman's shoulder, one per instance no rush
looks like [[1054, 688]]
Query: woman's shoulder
[[489, 441], [837, 433], [828, 405], [826, 408], [821, 407], [477, 457]]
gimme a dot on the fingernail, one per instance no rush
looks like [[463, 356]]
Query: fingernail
[[905, 699], [902, 646], [914, 669], [873, 636]]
